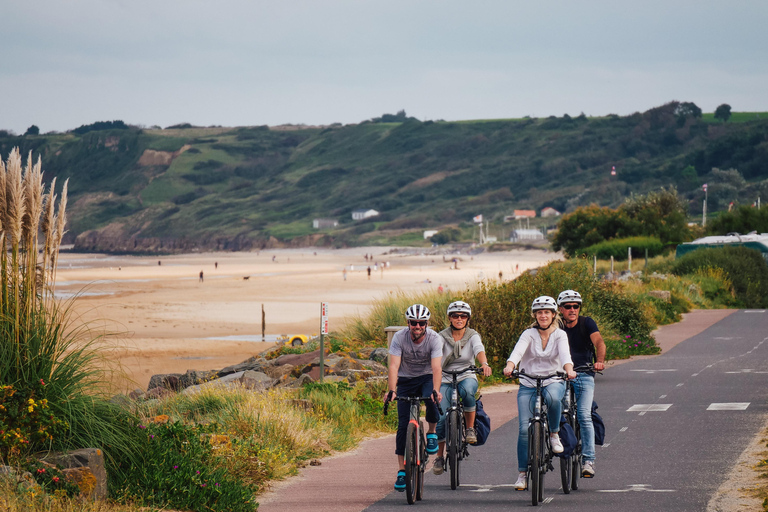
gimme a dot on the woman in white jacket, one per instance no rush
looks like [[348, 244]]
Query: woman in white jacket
[[541, 350]]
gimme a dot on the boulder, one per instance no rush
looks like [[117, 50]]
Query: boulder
[[298, 359], [84, 468], [277, 372], [157, 393], [23, 479], [248, 379], [252, 363], [167, 381], [195, 377], [379, 354]]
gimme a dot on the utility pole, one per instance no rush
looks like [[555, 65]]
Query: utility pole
[[704, 212]]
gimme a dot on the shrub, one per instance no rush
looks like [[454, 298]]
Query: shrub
[[745, 267], [619, 248]]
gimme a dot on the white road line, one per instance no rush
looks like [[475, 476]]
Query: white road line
[[681, 384], [754, 311], [623, 429], [728, 406], [663, 396], [641, 408], [654, 371], [636, 488]]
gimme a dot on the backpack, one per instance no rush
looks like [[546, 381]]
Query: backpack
[[597, 422], [482, 424], [567, 437]]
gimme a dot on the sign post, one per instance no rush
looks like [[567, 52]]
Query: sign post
[[323, 332]]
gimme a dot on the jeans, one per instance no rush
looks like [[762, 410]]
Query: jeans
[[467, 389], [584, 388], [553, 395], [413, 386]]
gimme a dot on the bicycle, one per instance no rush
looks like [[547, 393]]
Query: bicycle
[[415, 446], [570, 467], [456, 445], [539, 449]]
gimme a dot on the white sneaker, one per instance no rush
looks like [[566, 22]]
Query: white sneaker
[[588, 471], [554, 441], [522, 481]]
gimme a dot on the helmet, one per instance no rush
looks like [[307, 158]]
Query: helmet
[[568, 296], [417, 312], [543, 302], [459, 307]]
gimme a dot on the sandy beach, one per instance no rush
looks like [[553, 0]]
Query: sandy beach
[[167, 319]]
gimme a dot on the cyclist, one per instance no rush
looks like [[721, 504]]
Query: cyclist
[[415, 355], [461, 346], [587, 345], [541, 350]]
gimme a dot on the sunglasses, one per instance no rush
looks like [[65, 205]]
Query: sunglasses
[[458, 315], [571, 306], [420, 323]]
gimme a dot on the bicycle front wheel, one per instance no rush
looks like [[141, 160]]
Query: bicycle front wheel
[[566, 467], [422, 464], [452, 447], [576, 459], [534, 440], [411, 463]]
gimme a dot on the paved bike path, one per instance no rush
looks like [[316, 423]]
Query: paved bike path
[[353, 481]]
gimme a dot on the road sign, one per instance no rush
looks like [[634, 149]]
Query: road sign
[[323, 318]]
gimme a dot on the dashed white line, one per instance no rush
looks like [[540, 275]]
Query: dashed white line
[[728, 406], [623, 429], [681, 384], [663, 396], [649, 408]]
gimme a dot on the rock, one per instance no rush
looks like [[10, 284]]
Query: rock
[[167, 381], [136, 394], [23, 479], [84, 468], [157, 393], [301, 381], [277, 372], [664, 295], [248, 379], [121, 399], [194, 377], [298, 359], [252, 363], [380, 355]]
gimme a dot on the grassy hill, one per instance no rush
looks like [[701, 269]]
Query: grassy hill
[[190, 188]]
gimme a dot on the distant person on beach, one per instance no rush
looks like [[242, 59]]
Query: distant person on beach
[[415, 356], [158, 263], [500, 274], [216, 265], [201, 276], [369, 272], [344, 273], [273, 258]]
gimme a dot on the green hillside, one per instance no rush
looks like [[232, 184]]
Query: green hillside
[[236, 188]]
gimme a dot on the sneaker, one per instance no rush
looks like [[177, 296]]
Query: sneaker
[[439, 466], [557, 446], [400, 482], [431, 444], [471, 436], [522, 481], [588, 471]]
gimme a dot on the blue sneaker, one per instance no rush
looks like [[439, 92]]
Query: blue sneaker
[[400, 482], [431, 444]]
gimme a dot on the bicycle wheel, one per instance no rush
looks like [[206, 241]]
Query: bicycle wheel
[[576, 459], [452, 447], [422, 464], [411, 464], [543, 461], [566, 464], [534, 460]]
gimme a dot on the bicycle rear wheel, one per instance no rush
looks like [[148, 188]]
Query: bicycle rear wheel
[[411, 464], [566, 465], [452, 447], [534, 440]]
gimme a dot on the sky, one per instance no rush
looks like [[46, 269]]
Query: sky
[[65, 63]]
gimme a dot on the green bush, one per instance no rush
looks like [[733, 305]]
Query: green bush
[[745, 267], [179, 470], [619, 248]]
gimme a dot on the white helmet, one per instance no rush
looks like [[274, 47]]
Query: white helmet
[[543, 302], [568, 296], [459, 307], [417, 312]]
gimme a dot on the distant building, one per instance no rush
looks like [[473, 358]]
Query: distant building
[[429, 233], [363, 214], [549, 212], [324, 223], [522, 214], [519, 235], [752, 240]]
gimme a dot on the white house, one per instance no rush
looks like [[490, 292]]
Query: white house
[[363, 214], [519, 235], [429, 233], [324, 223]]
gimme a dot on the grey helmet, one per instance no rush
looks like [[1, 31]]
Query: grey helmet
[[459, 306], [417, 312], [543, 302], [568, 296]]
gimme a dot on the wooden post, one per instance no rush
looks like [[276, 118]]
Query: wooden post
[[263, 323]]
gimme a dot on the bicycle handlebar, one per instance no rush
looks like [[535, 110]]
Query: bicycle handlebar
[[589, 367], [411, 399], [518, 373], [473, 369]]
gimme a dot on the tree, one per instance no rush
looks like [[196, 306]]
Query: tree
[[32, 130], [687, 109], [723, 112]]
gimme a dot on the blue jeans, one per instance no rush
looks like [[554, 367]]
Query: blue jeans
[[467, 389], [413, 386], [553, 395], [584, 388]]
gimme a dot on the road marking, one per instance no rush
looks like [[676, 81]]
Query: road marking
[[754, 311], [728, 406], [641, 408], [747, 370], [636, 488], [663, 396], [547, 500], [727, 338], [695, 375], [654, 371], [606, 445], [623, 429], [485, 487], [681, 384]]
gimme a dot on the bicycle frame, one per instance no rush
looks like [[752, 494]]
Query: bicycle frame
[[455, 454]]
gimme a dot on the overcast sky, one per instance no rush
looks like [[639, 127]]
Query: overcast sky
[[252, 62]]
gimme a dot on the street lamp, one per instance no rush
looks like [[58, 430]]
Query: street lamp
[[704, 214]]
